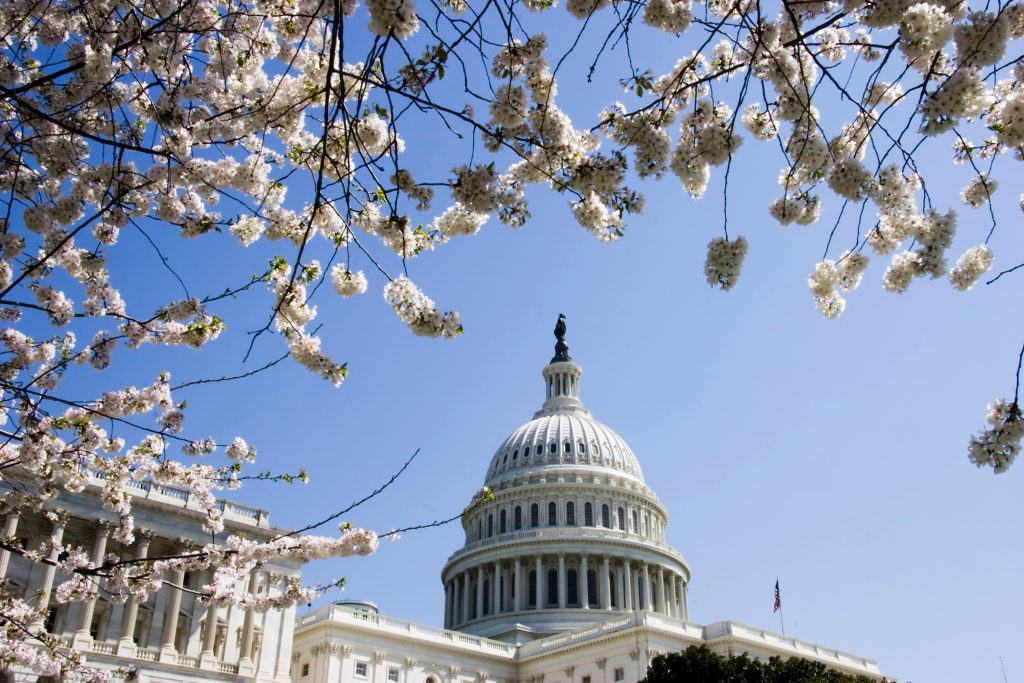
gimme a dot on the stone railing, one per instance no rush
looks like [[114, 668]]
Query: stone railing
[[588, 533], [614, 625], [390, 625], [183, 497], [754, 637], [153, 655]]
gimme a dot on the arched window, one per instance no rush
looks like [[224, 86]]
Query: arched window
[[570, 514], [572, 587], [517, 518], [554, 447], [606, 516], [583, 447], [591, 588], [568, 447], [588, 514], [552, 587], [647, 522], [490, 524], [532, 590], [526, 452], [622, 519], [534, 516], [505, 459], [503, 522], [515, 453], [552, 514]]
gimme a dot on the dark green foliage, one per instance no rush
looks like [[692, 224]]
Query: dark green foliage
[[698, 664]]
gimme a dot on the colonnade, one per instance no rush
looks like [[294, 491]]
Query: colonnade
[[78, 626], [561, 581]]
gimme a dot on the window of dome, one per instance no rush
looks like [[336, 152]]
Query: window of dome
[[505, 459], [534, 516], [583, 447], [622, 519], [568, 447], [570, 514], [517, 518], [606, 516], [552, 514], [515, 453], [554, 447], [490, 525], [596, 449], [572, 588], [588, 514], [526, 453]]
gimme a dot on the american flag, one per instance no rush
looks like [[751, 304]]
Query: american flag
[[778, 598]]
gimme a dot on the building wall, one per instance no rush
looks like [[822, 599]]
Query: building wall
[[163, 648], [332, 640]]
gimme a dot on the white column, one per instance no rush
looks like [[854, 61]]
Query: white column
[[245, 666], [541, 583], [10, 528], [479, 611], [627, 592], [661, 591], [671, 605], [584, 583], [60, 520], [99, 550], [647, 590], [447, 603], [606, 589], [686, 610], [496, 590], [127, 645], [207, 657], [465, 598], [561, 581], [518, 606], [168, 653]]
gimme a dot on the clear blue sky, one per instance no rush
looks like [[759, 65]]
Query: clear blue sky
[[829, 454]]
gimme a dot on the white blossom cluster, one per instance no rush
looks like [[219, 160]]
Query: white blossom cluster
[[418, 311], [979, 191], [998, 446], [724, 261], [971, 265], [347, 283], [829, 275]]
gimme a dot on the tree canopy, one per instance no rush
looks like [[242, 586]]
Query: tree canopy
[[698, 664]]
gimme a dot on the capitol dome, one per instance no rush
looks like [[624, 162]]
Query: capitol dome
[[572, 535]]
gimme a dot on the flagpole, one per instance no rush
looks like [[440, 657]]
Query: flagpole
[[777, 607]]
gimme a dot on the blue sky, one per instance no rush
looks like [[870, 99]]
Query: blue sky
[[829, 454]]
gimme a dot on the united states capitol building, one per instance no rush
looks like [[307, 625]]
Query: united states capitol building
[[564, 577]]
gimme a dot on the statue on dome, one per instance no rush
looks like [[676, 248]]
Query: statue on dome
[[561, 348], [560, 328]]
